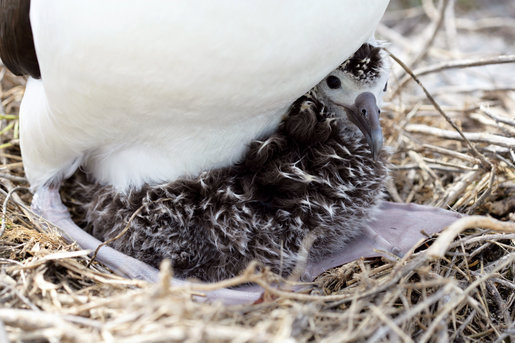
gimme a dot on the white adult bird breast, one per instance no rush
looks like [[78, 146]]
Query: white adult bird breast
[[148, 91]]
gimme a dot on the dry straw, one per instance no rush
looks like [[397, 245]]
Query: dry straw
[[453, 147]]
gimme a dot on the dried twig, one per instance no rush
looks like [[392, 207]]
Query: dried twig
[[484, 162], [437, 24], [437, 250], [455, 64], [452, 153], [481, 137], [498, 118]]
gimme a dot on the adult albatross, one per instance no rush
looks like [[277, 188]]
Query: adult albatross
[[149, 91]]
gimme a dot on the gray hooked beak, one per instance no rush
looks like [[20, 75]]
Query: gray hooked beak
[[365, 115]]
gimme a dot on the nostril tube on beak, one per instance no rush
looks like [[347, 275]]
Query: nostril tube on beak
[[368, 121], [365, 115]]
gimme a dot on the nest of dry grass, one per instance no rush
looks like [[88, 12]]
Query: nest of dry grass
[[453, 147]]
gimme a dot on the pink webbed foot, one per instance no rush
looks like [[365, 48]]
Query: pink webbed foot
[[395, 230], [47, 203]]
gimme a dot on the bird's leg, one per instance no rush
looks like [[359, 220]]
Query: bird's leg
[[395, 230], [47, 203]]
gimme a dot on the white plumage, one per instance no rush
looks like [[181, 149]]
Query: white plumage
[[148, 91]]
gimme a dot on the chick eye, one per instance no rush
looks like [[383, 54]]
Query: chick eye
[[385, 86], [333, 82]]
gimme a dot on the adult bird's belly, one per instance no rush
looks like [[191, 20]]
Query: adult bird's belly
[[147, 91]]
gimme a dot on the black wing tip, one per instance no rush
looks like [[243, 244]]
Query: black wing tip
[[17, 49]]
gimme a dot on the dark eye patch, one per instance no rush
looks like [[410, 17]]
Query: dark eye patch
[[385, 86], [333, 82]]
